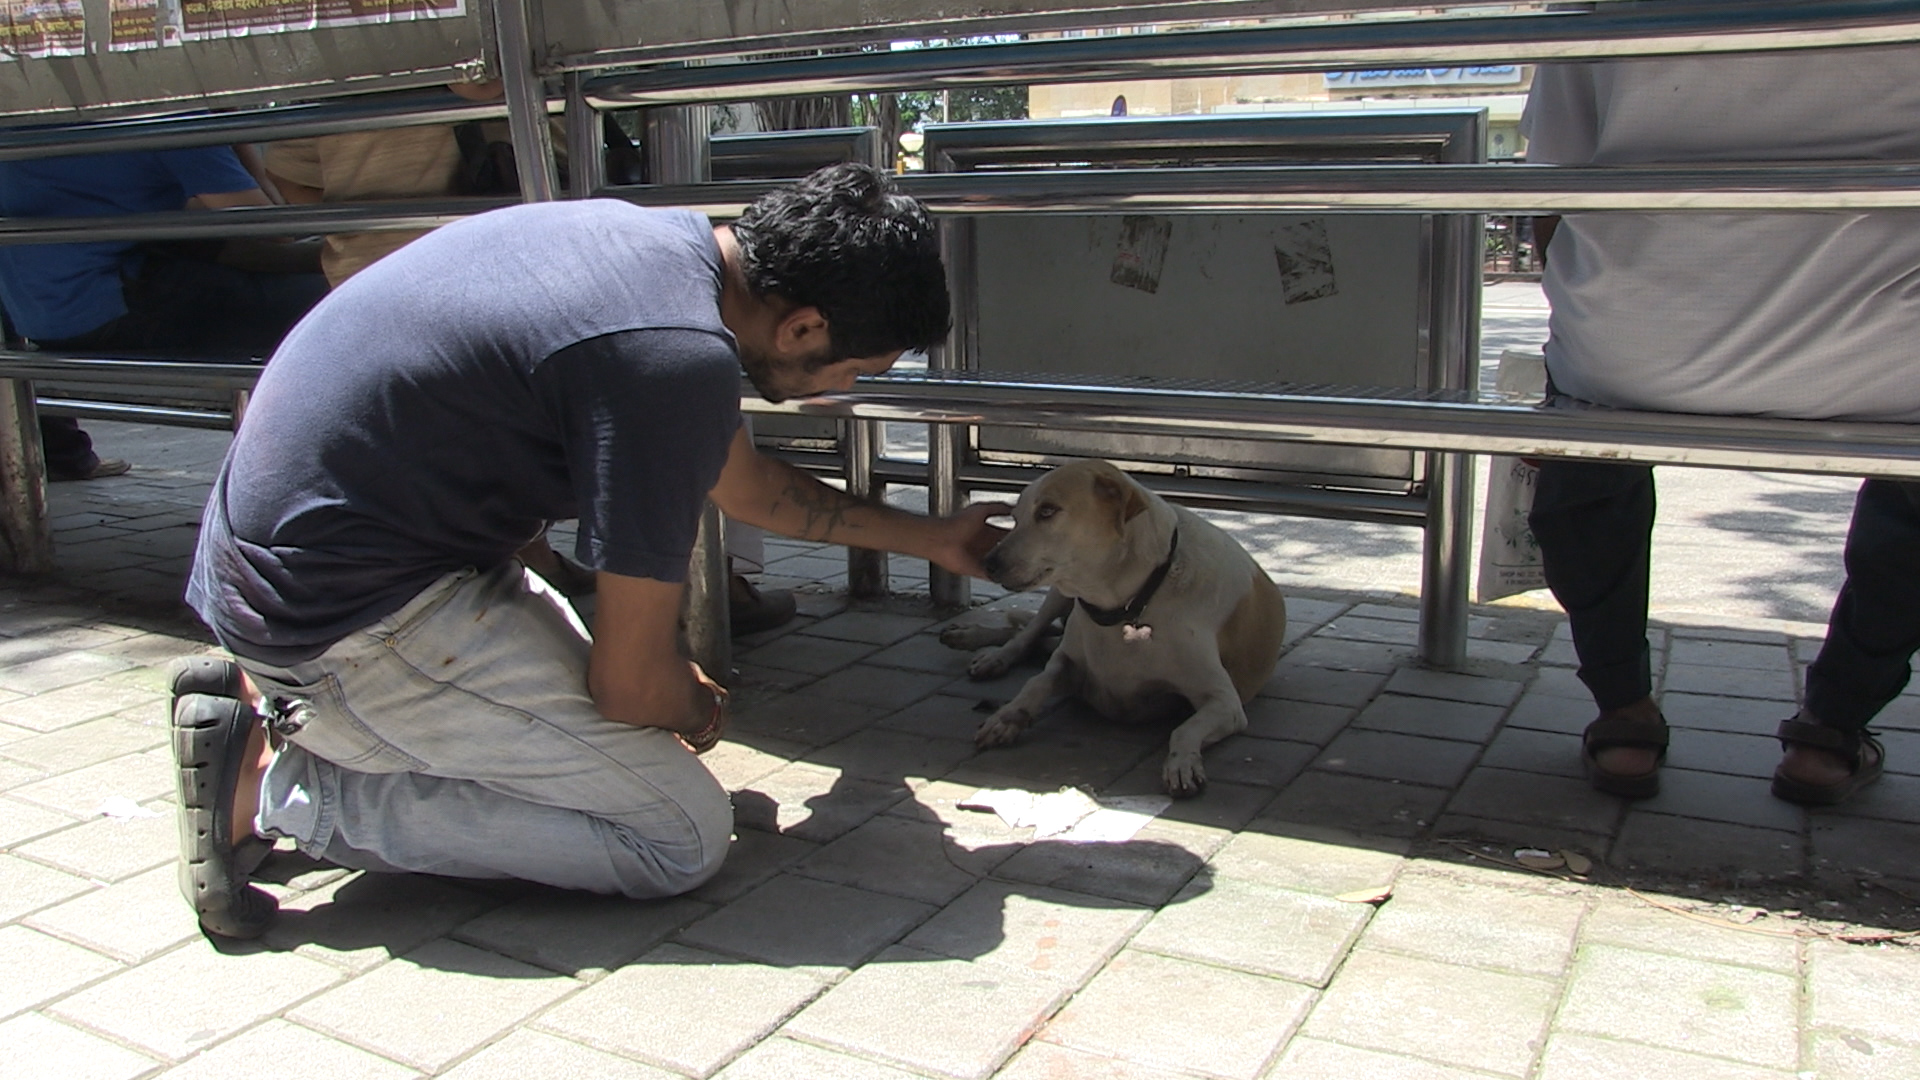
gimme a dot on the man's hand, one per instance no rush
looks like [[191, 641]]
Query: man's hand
[[962, 540], [707, 735]]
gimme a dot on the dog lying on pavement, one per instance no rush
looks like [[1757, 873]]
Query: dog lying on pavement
[[1166, 614]]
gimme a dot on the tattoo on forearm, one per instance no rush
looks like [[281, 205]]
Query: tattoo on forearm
[[825, 509]]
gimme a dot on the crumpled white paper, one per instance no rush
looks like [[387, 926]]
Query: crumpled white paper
[[121, 808], [1070, 815]]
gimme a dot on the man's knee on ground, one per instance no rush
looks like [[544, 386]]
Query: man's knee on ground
[[659, 869]]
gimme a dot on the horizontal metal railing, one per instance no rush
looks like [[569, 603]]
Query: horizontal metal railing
[[1435, 189], [1608, 31], [1439, 420]]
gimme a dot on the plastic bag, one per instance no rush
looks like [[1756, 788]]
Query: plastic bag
[[1509, 555]]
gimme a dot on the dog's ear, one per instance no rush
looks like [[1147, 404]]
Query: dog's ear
[[1123, 497]]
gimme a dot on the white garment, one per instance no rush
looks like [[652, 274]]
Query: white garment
[[1812, 315]]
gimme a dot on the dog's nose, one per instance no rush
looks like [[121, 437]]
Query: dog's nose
[[993, 563]]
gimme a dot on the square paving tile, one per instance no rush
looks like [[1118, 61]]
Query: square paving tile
[[813, 802], [1475, 924], [797, 921], [144, 1006], [1141, 1009], [881, 687], [1305, 682], [1463, 1016], [1719, 1010], [1530, 750], [1319, 861], [903, 857], [1556, 802], [1679, 845], [36, 968], [1298, 721], [1713, 796], [1255, 927], [1772, 684], [1360, 803], [39, 1046], [1454, 686], [881, 754], [1433, 717], [1065, 935], [1149, 869], [1583, 1057], [683, 1009], [1312, 1059], [433, 1005], [1713, 712], [1386, 755], [1866, 991], [932, 1013], [239, 1058], [790, 1059], [131, 920], [526, 1054], [579, 934]]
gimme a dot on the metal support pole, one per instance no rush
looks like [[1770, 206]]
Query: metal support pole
[[526, 103], [23, 481], [1455, 347], [947, 443], [242, 399], [586, 150], [1444, 563], [866, 568], [709, 624], [676, 153]]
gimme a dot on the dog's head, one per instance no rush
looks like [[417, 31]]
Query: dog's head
[[1068, 526]]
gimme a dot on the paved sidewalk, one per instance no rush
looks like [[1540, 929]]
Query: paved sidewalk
[[867, 928]]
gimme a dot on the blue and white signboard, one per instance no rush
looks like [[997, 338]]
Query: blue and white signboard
[[1484, 75]]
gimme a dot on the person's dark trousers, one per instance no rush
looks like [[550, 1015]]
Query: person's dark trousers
[[1874, 630], [1594, 524], [177, 304]]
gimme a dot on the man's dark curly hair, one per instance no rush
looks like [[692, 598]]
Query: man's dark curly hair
[[844, 240]]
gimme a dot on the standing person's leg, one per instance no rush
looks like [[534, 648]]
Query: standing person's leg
[[69, 453], [1867, 658], [1594, 523]]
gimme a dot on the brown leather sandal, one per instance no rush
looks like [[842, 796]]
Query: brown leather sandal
[[1612, 730], [1866, 759]]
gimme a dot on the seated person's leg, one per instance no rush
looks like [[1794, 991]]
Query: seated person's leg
[[1867, 658], [69, 452], [1594, 523], [188, 303], [457, 737]]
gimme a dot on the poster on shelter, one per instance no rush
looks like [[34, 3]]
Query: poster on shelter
[[136, 24], [32, 29]]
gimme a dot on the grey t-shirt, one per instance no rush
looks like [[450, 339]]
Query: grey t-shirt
[[535, 363], [1808, 315]]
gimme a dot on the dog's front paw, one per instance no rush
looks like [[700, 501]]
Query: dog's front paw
[[965, 637], [1002, 728], [991, 663], [1184, 776]]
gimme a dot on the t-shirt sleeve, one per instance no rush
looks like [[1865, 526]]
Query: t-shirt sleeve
[[207, 170], [1561, 122], [647, 418]]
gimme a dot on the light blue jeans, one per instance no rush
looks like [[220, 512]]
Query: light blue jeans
[[457, 737]]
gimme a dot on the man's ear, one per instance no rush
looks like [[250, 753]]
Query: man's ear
[[801, 332]]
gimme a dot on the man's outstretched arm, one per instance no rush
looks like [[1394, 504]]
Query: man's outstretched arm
[[774, 495]]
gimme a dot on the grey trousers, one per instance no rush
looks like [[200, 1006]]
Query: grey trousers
[[457, 737]]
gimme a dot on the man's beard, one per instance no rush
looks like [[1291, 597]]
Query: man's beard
[[773, 381]]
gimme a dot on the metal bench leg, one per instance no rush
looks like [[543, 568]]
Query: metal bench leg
[[944, 497], [1443, 571], [23, 480], [866, 568]]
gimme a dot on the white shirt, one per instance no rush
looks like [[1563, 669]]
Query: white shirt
[[1813, 315]]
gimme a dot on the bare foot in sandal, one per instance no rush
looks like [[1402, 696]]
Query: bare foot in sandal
[[1624, 748]]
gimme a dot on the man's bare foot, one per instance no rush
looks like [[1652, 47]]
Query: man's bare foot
[[1812, 765]]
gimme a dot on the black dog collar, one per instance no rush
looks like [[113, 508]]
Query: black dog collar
[[1131, 613]]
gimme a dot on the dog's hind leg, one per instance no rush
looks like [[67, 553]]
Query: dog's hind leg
[[1217, 713], [993, 662]]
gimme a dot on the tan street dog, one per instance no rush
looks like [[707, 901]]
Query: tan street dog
[[1166, 614]]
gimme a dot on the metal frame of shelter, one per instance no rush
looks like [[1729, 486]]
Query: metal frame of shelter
[[674, 58]]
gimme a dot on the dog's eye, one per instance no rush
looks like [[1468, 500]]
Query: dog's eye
[[1045, 511]]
